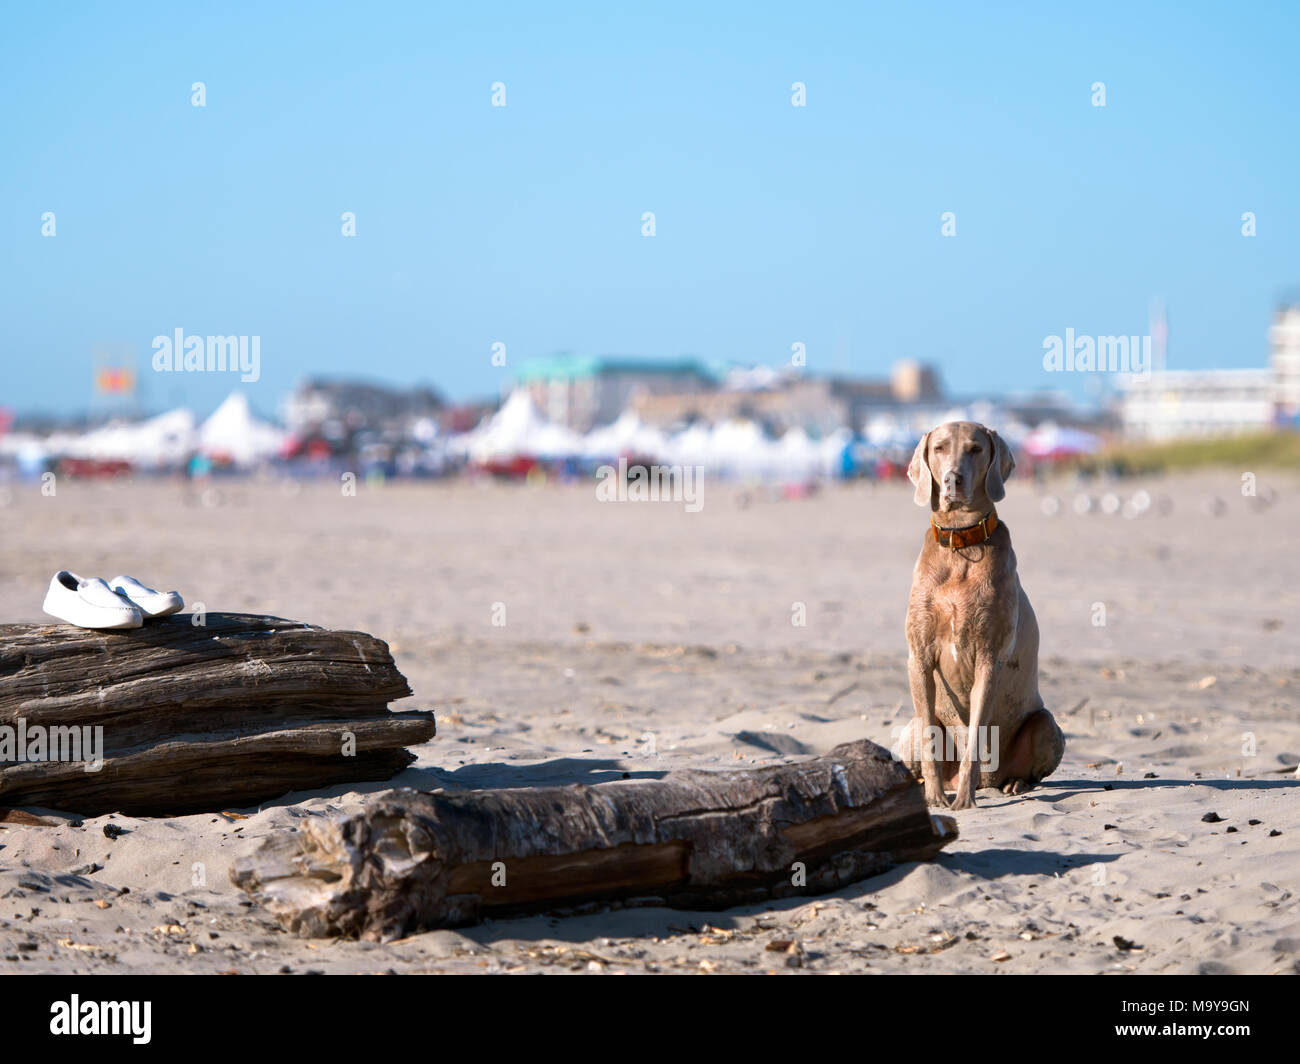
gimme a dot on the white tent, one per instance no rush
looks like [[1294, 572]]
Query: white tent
[[690, 446], [233, 432], [160, 441], [627, 435], [738, 448], [518, 429], [830, 452], [886, 431], [795, 456]]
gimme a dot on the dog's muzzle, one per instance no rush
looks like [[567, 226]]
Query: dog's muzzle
[[950, 488]]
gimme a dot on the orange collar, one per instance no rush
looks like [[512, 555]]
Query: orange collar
[[957, 538]]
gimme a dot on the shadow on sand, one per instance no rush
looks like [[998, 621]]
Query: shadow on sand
[[1058, 790], [560, 772], [564, 771], [663, 922]]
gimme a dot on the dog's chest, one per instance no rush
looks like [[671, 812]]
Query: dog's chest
[[959, 607]]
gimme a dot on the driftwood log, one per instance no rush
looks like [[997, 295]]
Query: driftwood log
[[233, 712], [697, 839]]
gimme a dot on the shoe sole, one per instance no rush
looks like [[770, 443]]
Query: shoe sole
[[124, 623]]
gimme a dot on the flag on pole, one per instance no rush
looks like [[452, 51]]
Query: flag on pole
[[114, 380]]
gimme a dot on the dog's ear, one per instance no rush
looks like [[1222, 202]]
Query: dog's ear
[[918, 472], [1001, 464]]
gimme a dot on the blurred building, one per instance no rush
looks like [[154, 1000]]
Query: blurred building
[[1284, 345], [461, 417], [782, 401], [336, 407], [583, 391], [1180, 404], [913, 382], [1056, 408]]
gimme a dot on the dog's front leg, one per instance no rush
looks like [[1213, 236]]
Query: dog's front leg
[[920, 678], [981, 696]]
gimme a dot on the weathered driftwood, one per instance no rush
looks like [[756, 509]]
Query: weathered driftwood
[[233, 712], [698, 839]]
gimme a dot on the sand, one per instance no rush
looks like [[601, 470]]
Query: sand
[[639, 638]]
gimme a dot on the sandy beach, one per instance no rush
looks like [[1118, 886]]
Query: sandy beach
[[562, 639]]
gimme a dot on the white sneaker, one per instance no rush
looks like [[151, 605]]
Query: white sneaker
[[89, 603], [148, 601]]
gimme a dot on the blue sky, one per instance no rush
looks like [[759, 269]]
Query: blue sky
[[522, 224]]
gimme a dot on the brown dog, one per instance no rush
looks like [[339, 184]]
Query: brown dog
[[972, 636]]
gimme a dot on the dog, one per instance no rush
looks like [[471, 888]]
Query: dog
[[972, 637]]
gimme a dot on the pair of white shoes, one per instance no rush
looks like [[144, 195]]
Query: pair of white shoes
[[122, 602]]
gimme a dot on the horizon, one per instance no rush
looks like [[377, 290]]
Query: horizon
[[121, 410]]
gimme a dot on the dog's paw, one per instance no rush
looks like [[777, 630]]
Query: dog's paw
[[935, 798], [966, 784], [1018, 786], [965, 799]]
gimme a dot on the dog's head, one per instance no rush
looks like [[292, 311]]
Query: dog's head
[[960, 464]]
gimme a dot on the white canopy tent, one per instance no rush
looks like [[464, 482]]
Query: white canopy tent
[[627, 435], [517, 429], [234, 432], [735, 448], [160, 441]]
